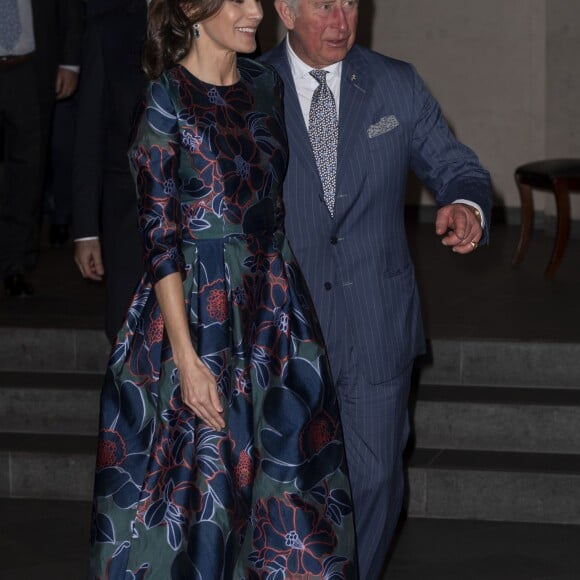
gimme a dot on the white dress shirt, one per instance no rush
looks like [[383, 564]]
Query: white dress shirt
[[25, 43], [306, 84]]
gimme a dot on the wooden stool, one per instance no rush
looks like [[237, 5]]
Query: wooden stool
[[561, 177]]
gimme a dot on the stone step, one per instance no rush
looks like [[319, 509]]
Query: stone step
[[450, 362], [502, 363], [495, 486], [524, 487], [47, 466], [65, 403], [444, 417], [53, 349], [497, 419]]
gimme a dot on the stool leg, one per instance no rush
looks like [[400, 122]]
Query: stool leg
[[527, 220], [562, 226]]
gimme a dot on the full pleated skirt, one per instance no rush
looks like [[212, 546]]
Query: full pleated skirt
[[266, 498]]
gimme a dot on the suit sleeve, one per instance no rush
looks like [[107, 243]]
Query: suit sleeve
[[71, 31], [154, 161], [88, 155], [450, 169]]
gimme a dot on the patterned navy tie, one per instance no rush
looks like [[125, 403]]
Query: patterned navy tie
[[10, 27], [323, 132]]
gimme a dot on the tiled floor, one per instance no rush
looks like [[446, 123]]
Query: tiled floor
[[49, 540]]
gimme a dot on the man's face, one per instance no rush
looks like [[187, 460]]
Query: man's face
[[321, 32]]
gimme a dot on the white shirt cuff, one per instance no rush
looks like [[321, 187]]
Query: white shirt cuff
[[73, 67], [476, 206]]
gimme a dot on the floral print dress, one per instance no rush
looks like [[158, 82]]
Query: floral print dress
[[269, 496]]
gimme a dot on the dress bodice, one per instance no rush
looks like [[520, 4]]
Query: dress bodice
[[209, 161]]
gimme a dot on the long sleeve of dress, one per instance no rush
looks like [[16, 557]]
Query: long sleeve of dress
[[154, 159]]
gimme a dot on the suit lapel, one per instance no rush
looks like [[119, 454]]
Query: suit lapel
[[295, 126], [355, 89]]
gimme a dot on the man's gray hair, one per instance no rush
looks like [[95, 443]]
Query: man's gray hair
[[293, 4]]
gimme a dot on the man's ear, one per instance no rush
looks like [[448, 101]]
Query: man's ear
[[286, 13]]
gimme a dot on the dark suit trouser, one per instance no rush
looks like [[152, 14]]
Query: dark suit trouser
[[376, 428], [22, 120], [122, 250]]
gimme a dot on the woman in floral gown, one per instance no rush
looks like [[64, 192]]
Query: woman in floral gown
[[220, 448]]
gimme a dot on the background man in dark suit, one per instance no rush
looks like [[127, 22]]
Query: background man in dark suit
[[40, 40], [107, 243], [344, 193]]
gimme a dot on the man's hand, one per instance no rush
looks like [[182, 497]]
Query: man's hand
[[88, 259], [66, 83], [459, 226]]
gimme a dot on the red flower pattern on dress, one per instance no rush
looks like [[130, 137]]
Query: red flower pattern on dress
[[290, 530], [155, 330], [112, 449], [318, 433], [244, 470], [217, 305]]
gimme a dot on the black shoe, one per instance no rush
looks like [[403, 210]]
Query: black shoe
[[17, 286], [58, 234]]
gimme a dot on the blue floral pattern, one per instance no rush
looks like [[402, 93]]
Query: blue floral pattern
[[269, 497]]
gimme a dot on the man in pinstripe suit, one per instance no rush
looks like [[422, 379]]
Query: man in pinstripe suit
[[355, 256]]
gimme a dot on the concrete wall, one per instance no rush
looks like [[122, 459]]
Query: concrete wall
[[505, 73], [563, 86]]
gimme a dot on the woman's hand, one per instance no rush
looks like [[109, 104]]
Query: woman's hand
[[200, 393], [198, 386]]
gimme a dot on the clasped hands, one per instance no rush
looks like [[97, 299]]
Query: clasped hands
[[459, 226]]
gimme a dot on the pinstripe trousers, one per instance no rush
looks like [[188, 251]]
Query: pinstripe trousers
[[375, 422]]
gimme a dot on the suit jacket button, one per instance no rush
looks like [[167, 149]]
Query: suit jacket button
[[334, 240], [327, 285]]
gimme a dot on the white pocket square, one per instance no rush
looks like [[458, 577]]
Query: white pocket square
[[384, 125]]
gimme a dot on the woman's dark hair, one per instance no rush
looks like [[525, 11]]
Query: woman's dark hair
[[170, 31]]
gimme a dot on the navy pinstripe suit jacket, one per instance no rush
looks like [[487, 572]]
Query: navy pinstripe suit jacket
[[389, 123]]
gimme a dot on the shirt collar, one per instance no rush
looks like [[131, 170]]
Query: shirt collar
[[301, 71]]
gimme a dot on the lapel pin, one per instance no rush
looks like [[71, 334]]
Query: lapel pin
[[353, 77]]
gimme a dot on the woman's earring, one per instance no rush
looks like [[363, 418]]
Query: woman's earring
[[196, 30]]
